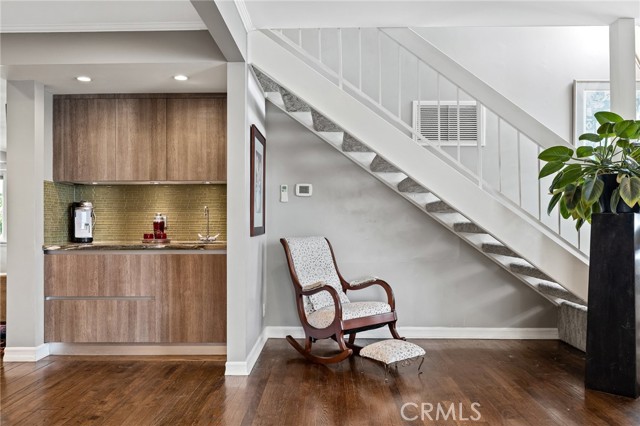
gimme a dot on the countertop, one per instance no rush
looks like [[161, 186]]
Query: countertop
[[136, 245]]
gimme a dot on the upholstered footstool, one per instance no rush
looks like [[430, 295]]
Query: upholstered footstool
[[394, 352]]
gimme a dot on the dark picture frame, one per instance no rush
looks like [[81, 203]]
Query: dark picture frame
[[258, 178]]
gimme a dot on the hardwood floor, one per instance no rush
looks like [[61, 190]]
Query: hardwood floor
[[515, 383]]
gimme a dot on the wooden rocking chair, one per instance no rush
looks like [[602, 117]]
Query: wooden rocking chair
[[323, 306]]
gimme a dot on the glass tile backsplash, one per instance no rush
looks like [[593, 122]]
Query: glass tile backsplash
[[125, 212]]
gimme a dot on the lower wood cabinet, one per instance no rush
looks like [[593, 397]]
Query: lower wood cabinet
[[137, 298]]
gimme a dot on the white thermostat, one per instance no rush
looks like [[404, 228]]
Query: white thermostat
[[304, 189]]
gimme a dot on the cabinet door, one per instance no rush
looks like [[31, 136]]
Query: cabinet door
[[84, 139], [195, 298], [197, 139], [102, 298], [141, 148]]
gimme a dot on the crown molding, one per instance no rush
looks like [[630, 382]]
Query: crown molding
[[103, 27]]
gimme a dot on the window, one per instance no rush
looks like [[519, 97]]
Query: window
[[590, 97]]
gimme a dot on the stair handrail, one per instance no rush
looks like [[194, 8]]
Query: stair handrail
[[490, 100]]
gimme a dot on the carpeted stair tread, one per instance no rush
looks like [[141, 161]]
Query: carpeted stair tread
[[469, 227], [529, 270], [323, 124], [410, 185], [498, 248], [439, 207], [572, 324], [557, 291], [351, 144], [380, 165], [267, 84], [292, 103]]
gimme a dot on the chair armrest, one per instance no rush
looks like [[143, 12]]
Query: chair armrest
[[322, 286], [362, 284], [362, 281]]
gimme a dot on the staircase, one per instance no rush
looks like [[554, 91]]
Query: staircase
[[482, 234]]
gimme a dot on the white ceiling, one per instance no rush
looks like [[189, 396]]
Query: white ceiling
[[98, 15], [161, 15], [432, 13], [124, 62], [121, 61]]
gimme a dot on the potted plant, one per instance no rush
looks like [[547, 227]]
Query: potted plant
[[601, 177]]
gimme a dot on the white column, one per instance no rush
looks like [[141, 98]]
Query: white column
[[237, 217], [25, 227], [622, 54]]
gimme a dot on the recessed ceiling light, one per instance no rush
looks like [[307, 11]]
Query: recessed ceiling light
[[180, 77], [83, 78]]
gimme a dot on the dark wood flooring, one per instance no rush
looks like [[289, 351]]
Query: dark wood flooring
[[514, 382]]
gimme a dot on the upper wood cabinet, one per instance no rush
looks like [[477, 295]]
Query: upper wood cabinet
[[196, 139], [84, 134], [109, 138], [141, 143]]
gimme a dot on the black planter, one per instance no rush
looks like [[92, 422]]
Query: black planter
[[613, 343], [610, 184]]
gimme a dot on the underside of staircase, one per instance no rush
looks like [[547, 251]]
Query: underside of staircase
[[572, 310]]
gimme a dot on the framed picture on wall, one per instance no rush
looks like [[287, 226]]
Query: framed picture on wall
[[590, 97], [257, 203]]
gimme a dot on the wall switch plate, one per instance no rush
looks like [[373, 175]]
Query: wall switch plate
[[284, 193], [304, 189]]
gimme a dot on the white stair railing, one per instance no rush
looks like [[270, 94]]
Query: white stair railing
[[422, 92]]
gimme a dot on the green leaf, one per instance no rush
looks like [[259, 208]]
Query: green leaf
[[623, 143], [564, 211], [630, 132], [584, 151], [615, 199], [606, 130], [595, 208], [579, 224], [592, 190], [592, 137], [572, 195], [607, 117], [621, 126], [550, 168], [556, 153], [570, 175], [630, 190], [554, 200]]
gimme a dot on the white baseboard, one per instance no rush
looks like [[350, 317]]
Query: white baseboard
[[25, 354], [435, 333], [115, 349], [243, 368]]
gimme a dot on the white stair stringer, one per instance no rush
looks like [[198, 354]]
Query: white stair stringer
[[510, 233]]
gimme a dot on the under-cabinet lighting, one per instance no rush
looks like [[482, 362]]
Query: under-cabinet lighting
[[83, 78], [180, 77]]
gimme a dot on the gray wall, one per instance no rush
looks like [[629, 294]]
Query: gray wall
[[439, 281]]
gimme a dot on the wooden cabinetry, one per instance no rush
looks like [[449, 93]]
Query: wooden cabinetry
[[195, 129], [141, 144], [110, 138], [84, 134], [138, 298]]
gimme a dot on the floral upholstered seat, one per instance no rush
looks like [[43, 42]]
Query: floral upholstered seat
[[324, 309]]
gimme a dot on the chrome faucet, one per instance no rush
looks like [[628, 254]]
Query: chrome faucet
[[208, 237]]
